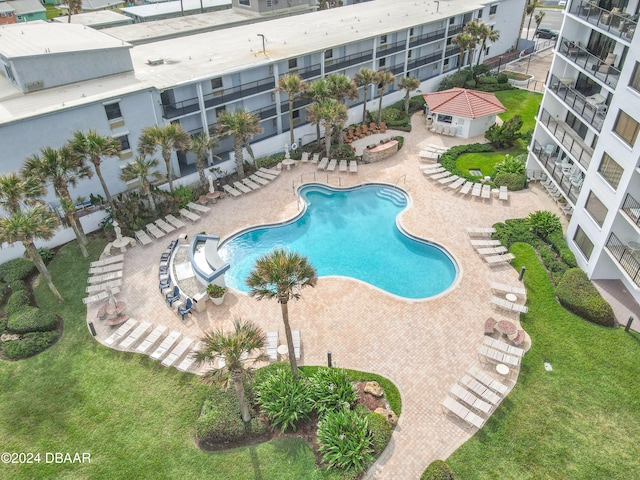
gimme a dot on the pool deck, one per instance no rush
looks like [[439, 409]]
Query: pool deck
[[424, 347]]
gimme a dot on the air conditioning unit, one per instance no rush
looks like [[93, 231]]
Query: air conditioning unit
[[34, 86], [154, 62]]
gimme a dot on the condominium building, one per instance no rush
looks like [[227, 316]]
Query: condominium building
[[60, 78], [585, 139]]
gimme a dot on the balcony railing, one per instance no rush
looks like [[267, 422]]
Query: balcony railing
[[555, 168], [625, 256], [177, 109], [266, 112], [631, 207], [621, 25], [427, 37], [307, 72], [569, 139], [453, 29], [299, 103], [592, 113], [348, 61], [389, 48], [397, 69], [451, 51], [240, 91], [419, 62], [590, 63]]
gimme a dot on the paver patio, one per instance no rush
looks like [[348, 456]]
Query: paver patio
[[423, 346]]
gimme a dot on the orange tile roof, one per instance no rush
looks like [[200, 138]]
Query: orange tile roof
[[461, 102]]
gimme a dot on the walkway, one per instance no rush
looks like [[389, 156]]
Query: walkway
[[424, 347]]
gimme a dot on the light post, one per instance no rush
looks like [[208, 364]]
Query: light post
[[499, 63], [263, 46]]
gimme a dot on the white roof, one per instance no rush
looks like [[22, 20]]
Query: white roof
[[166, 8], [100, 17], [5, 7], [99, 4], [26, 6]]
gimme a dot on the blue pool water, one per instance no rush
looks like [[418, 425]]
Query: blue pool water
[[351, 233]]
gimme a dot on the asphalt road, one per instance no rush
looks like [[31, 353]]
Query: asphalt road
[[552, 19]]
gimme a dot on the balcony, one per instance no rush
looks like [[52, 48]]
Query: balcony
[[454, 29], [626, 257], [297, 104], [451, 50], [349, 60], [390, 48], [419, 62], [427, 38], [621, 25], [178, 109], [397, 69], [557, 168], [265, 112], [569, 139], [310, 71], [591, 64], [591, 112], [241, 91], [631, 208]]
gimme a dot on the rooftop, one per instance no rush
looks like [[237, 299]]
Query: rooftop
[[166, 8], [93, 19], [26, 6], [464, 103]]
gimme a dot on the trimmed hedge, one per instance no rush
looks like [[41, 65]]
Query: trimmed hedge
[[438, 470], [556, 240], [17, 301], [380, 431], [577, 294], [220, 419], [448, 158], [32, 319], [513, 181], [17, 269], [30, 344]]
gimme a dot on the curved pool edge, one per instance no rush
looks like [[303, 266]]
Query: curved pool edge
[[404, 231]]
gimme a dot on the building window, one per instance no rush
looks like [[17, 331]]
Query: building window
[[7, 68], [583, 243], [246, 3], [328, 54], [610, 170], [293, 63], [411, 32], [493, 9], [627, 128], [445, 118], [113, 111], [383, 39], [382, 62], [409, 53], [296, 114], [124, 142], [451, 20], [216, 83], [269, 4], [635, 78], [596, 209], [480, 13]]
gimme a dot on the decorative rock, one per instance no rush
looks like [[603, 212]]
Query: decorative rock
[[8, 337], [391, 417], [374, 389]]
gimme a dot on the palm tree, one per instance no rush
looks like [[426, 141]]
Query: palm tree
[[25, 226], [409, 84], [169, 138], [17, 191], [341, 87], [539, 17], [295, 87], [75, 7], [235, 347], [318, 90], [93, 147], [201, 145], [464, 41], [364, 78], [383, 78], [63, 169], [330, 113], [242, 125], [482, 32], [282, 275], [141, 169], [530, 10]]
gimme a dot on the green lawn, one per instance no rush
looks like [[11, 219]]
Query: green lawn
[[135, 417], [485, 162], [520, 102], [579, 421]]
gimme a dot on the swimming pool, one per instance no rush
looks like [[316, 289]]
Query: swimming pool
[[351, 233]]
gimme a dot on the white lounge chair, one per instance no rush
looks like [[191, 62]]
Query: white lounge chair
[[315, 158], [295, 335], [441, 175], [343, 166], [457, 184], [250, 183], [166, 344], [498, 259], [162, 225], [470, 399], [176, 222], [462, 412], [136, 335], [477, 190], [503, 346], [448, 179], [190, 358], [504, 193], [105, 277], [488, 380], [103, 287], [108, 260], [323, 163], [192, 217], [496, 356], [353, 166], [122, 330], [271, 346], [507, 305], [262, 181], [499, 287], [270, 171], [155, 231], [114, 267], [477, 387], [240, 186], [231, 191], [485, 243], [155, 335], [432, 171], [466, 188], [486, 191], [99, 296], [492, 250], [480, 231], [332, 165], [266, 176], [197, 207], [177, 352], [305, 157]]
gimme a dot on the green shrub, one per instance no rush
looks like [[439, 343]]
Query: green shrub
[[32, 319], [330, 390], [380, 431], [183, 194], [457, 79], [438, 470], [270, 161], [470, 84], [342, 152], [18, 269], [220, 419], [17, 301], [511, 164], [283, 399], [30, 344], [400, 140], [496, 88], [577, 294], [556, 240], [502, 78], [416, 103], [505, 135], [513, 181], [344, 439], [544, 223], [46, 254], [487, 80], [515, 230], [390, 115]]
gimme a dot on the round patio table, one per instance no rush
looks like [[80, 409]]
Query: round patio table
[[288, 162], [505, 327], [502, 369], [511, 297]]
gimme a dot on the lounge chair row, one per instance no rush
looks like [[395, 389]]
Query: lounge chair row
[[492, 355], [262, 177], [107, 261], [503, 346], [102, 295], [507, 305], [500, 287], [431, 152], [343, 166], [443, 130], [271, 345], [480, 231], [158, 229]]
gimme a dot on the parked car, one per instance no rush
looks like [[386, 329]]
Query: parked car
[[546, 33], [562, 3]]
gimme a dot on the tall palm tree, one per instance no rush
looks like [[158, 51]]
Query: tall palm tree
[[330, 113], [364, 78], [482, 32], [63, 169], [539, 17], [464, 41], [168, 138], [282, 275], [75, 7], [201, 145], [341, 87], [409, 84], [25, 226], [17, 191], [530, 10], [318, 90], [242, 126], [141, 169], [295, 87], [236, 347], [383, 78], [94, 147]]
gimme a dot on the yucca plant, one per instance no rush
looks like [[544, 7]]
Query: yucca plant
[[331, 390], [345, 440], [284, 400], [543, 223], [511, 164]]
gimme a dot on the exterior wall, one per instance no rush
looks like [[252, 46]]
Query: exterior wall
[[30, 17], [7, 16]]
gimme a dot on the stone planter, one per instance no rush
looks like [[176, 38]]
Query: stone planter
[[218, 300]]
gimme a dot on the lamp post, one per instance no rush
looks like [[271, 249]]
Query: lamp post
[[329, 358], [499, 63], [263, 46], [437, 2]]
